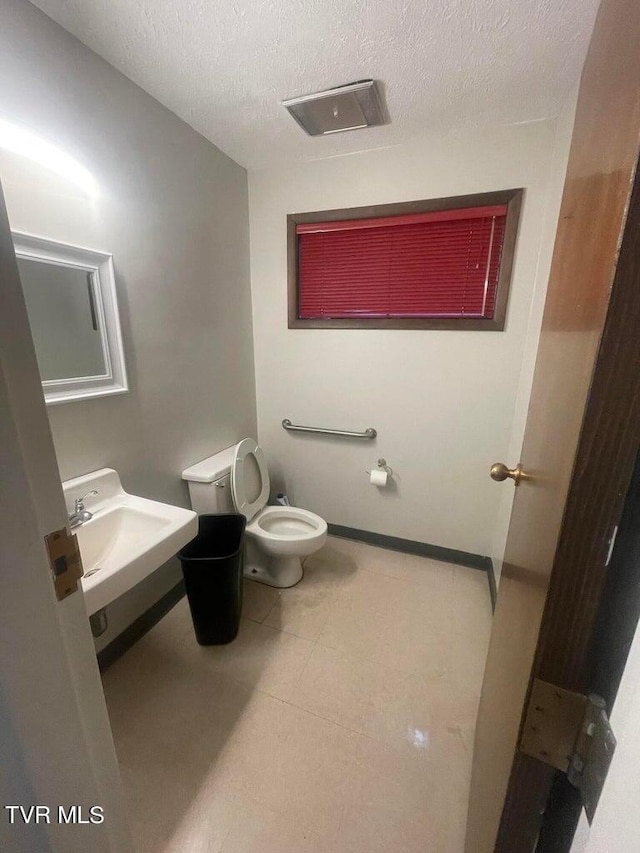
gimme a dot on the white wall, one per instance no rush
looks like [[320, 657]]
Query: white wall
[[173, 210], [443, 402]]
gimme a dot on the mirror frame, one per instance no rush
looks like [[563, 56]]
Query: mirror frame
[[100, 264]]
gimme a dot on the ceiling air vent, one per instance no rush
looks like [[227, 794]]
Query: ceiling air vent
[[349, 107]]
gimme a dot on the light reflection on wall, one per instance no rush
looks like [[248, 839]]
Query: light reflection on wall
[[27, 144]]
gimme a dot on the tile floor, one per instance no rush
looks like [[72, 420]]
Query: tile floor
[[339, 721]]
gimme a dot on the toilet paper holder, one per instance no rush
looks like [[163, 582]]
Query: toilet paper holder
[[382, 464]]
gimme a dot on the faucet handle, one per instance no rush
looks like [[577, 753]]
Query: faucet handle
[[80, 501]]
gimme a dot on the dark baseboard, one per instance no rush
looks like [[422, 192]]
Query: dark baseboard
[[409, 546], [130, 636], [421, 549], [493, 588]]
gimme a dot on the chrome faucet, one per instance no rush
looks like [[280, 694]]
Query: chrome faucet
[[80, 514]]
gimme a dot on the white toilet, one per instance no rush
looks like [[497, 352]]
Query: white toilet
[[277, 537]]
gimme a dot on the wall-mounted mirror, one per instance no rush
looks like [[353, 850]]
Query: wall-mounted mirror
[[71, 302]]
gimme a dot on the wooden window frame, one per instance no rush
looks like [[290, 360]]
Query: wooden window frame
[[512, 198]]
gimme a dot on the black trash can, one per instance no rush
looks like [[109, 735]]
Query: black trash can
[[212, 565]]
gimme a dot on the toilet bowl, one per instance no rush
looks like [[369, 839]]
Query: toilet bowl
[[276, 537]]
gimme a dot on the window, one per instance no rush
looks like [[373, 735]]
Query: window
[[439, 264]]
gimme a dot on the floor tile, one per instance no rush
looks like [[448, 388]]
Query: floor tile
[[328, 570], [177, 622], [397, 564], [337, 687], [259, 830], [380, 560], [292, 762], [363, 611], [472, 614], [207, 822], [340, 720], [393, 705], [435, 573], [302, 612], [260, 657], [377, 615], [258, 599], [410, 799]]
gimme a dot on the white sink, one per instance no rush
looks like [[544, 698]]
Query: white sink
[[128, 537]]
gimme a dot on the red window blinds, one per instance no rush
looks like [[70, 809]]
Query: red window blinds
[[440, 264]]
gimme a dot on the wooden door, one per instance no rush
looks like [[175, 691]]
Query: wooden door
[[508, 791]]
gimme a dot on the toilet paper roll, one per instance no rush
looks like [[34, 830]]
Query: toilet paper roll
[[378, 477]]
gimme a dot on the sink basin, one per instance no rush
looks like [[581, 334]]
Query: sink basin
[[128, 537]]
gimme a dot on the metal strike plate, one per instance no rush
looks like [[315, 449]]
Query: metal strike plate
[[65, 561]]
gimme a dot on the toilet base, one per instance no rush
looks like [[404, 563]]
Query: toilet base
[[279, 572]]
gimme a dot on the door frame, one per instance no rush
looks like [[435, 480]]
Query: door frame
[[603, 468], [55, 737]]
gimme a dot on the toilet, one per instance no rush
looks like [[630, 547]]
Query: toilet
[[277, 537]]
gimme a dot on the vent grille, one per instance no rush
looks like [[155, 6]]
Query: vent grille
[[352, 107]]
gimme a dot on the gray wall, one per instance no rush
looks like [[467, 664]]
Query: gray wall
[[173, 211]]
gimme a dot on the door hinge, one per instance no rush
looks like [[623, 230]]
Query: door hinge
[[65, 561], [571, 732]]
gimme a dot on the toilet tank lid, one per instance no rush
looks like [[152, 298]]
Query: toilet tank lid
[[210, 469]]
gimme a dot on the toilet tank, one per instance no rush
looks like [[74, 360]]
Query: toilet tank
[[210, 483]]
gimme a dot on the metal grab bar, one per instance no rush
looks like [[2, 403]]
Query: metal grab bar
[[368, 433]]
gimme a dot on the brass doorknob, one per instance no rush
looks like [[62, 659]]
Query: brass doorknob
[[500, 472]]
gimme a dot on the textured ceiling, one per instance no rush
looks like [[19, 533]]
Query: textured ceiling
[[225, 65]]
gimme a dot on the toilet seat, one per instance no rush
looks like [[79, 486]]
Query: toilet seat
[[286, 532], [248, 508], [278, 523]]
